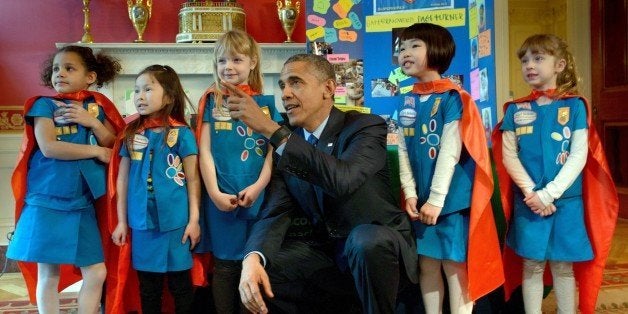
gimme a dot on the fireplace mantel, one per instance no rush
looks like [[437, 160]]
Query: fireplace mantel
[[193, 63]]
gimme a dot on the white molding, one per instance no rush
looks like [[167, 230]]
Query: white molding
[[6, 226], [186, 58], [9, 147], [193, 63], [502, 73]]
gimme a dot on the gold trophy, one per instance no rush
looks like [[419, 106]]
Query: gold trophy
[[139, 13], [288, 14], [87, 36]]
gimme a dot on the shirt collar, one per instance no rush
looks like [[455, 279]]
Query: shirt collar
[[318, 131]]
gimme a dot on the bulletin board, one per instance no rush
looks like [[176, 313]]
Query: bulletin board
[[360, 39], [335, 29]]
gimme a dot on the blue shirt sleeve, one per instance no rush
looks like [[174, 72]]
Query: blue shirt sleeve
[[508, 121], [453, 108], [43, 107], [124, 152], [580, 115], [187, 143], [209, 104]]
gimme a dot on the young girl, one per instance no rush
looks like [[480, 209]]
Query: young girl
[[543, 142], [235, 164], [158, 190], [446, 176], [59, 175]]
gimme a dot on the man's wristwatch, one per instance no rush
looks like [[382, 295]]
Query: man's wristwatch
[[278, 136]]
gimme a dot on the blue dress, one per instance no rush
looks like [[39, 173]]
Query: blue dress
[[58, 222], [239, 155], [157, 199], [543, 140], [422, 123]]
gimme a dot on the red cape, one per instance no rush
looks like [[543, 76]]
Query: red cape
[[69, 274], [484, 266], [601, 207], [123, 288]]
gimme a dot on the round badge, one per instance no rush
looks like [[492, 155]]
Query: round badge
[[567, 132], [240, 130], [260, 142], [433, 125], [524, 117], [433, 139], [556, 136], [432, 152], [407, 117], [139, 142], [249, 143]]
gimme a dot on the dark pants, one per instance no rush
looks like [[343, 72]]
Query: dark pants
[[151, 289], [226, 279], [365, 276]]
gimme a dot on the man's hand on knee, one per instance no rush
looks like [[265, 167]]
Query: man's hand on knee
[[253, 276]]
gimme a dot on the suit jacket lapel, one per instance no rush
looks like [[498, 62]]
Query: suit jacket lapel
[[327, 143], [328, 138]]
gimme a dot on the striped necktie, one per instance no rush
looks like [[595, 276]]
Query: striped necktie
[[312, 140]]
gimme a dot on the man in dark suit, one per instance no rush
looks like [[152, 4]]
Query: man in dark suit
[[341, 184]]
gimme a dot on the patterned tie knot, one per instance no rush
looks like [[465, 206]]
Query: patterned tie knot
[[312, 139]]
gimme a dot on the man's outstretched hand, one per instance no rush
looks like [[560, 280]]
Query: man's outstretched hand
[[244, 108], [252, 278]]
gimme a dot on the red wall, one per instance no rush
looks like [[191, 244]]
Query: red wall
[[30, 30]]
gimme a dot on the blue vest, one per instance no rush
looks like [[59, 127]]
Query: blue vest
[[161, 160], [65, 184], [239, 153], [422, 124], [544, 137]]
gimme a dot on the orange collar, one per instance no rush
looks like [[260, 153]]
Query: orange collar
[[150, 123], [436, 86], [77, 96], [549, 93]]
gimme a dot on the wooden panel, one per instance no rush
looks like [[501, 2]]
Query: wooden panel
[[609, 47], [615, 44]]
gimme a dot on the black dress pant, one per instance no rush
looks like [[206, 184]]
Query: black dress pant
[[362, 275]]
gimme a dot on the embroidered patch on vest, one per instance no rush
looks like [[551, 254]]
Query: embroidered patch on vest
[[409, 101], [435, 107], [173, 136], [139, 142], [220, 112], [92, 108], [556, 136], [524, 130], [408, 131], [407, 116], [223, 126], [524, 117], [266, 111], [563, 115], [136, 155], [65, 130], [175, 169]]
